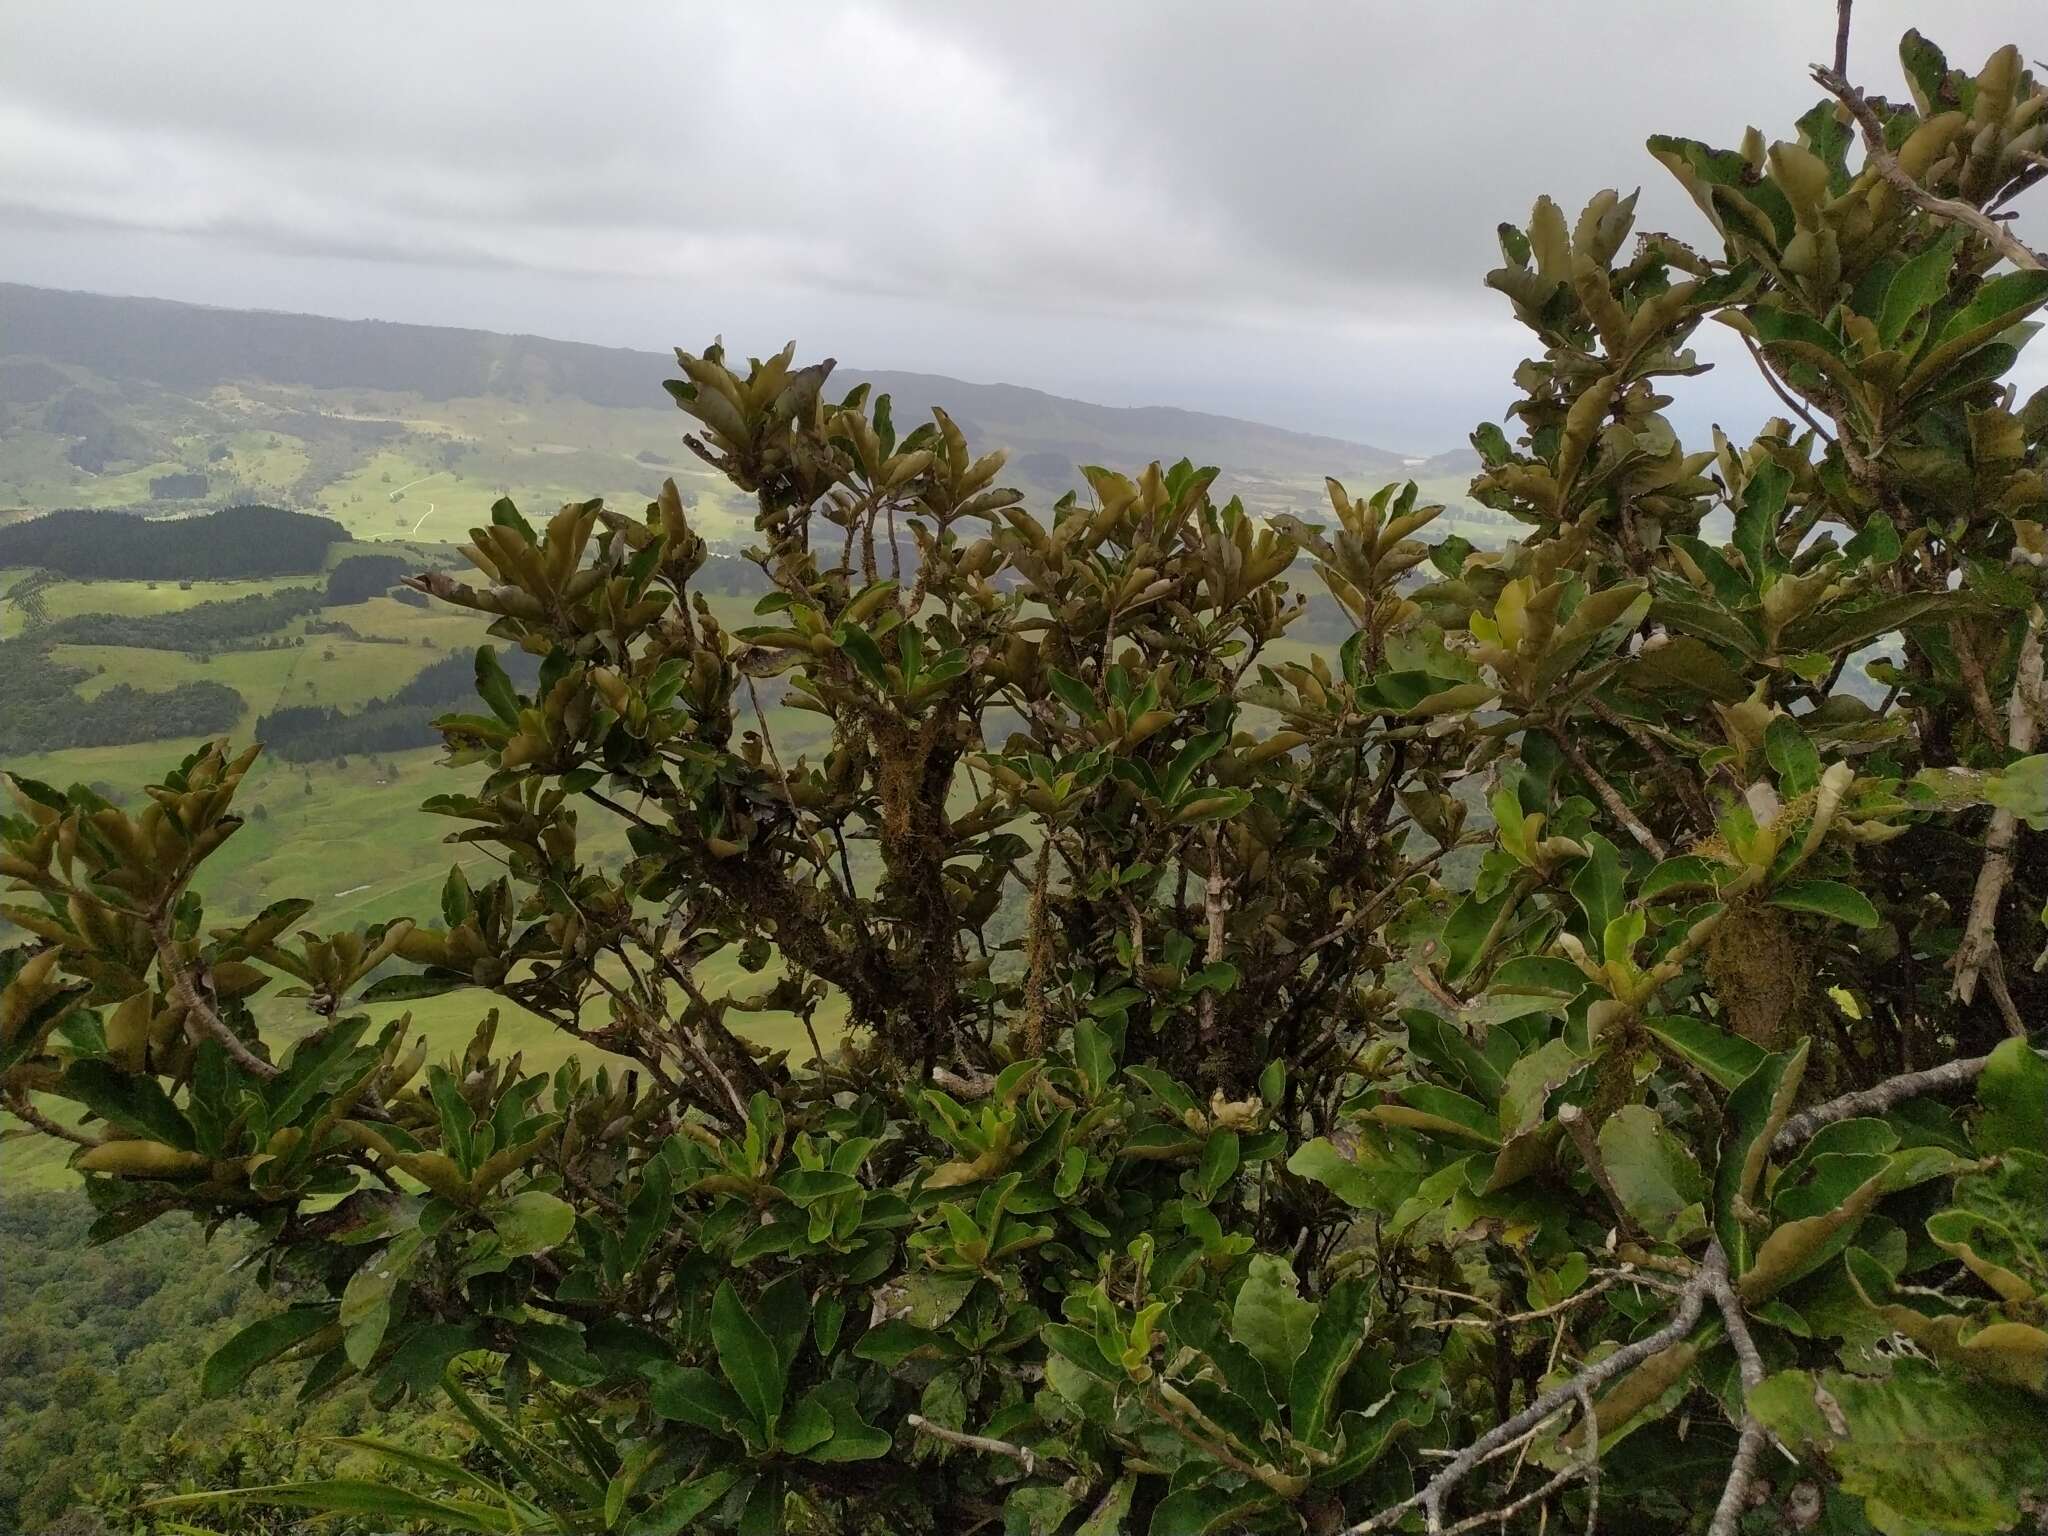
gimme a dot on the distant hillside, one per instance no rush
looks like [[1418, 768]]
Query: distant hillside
[[190, 349]]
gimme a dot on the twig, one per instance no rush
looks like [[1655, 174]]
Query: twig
[[1606, 1284], [1792, 401], [18, 1105], [1691, 1299], [1573, 1119], [1588, 1467], [197, 1009], [1842, 37], [1023, 1455], [1215, 904], [1434, 986], [1609, 796], [2023, 716], [2000, 238], [691, 1043], [715, 1023], [1876, 1100], [1688, 790], [1213, 1440], [1592, 1464], [1742, 1472]]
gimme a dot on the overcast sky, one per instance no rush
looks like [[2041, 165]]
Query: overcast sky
[[1281, 211]]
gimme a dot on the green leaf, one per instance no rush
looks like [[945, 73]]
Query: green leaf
[[1441, 1112], [494, 686], [1917, 287], [2022, 788], [133, 1101], [1036, 1509], [853, 1438], [1756, 523], [1706, 622], [311, 1067], [1795, 1248], [689, 1394], [1657, 1178], [1827, 898], [458, 1120], [1686, 872], [1444, 1046], [1724, 1057], [1333, 1343], [1219, 1162], [1092, 1054], [1598, 885], [1843, 627], [1526, 1089], [1195, 752], [1466, 931], [353, 1496], [1754, 1112], [404, 988], [531, 1222], [417, 1363], [441, 1469], [258, 1344], [1073, 693], [1078, 1346], [1947, 1452], [2014, 1095], [806, 1425], [1793, 757], [1364, 1185], [2000, 303], [1114, 1508], [747, 1356], [1877, 541], [1270, 1318], [861, 649], [558, 1352], [1209, 1511], [673, 1513], [366, 1300]]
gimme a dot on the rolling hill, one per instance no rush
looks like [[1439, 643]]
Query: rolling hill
[[157, 405]]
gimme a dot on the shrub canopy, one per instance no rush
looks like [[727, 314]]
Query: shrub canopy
[[1583, 1019]]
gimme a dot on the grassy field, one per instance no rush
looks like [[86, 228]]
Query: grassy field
[[354, 840], [129, 599], [350, 837]]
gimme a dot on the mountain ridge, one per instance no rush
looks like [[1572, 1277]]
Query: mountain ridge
[[185, 346]]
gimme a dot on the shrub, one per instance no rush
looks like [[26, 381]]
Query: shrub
[[1195, 1155]]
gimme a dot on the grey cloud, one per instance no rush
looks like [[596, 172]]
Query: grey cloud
[[1281, 210]]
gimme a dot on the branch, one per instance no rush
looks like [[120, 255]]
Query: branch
[[2029, 702], [1792, 401], [1024, 1456], [2000, 238], [18, 1105], [1735, 1494], [1573, 1119], [1688, 789], [1692, 1297], [1842, 37], [1875, 1101], [1216, 906], [1609, 796], [197, 1009]]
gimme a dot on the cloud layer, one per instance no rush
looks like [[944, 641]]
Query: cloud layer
[[1283, 211]]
